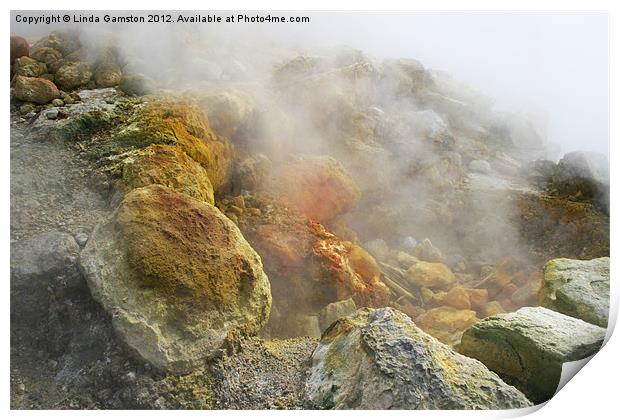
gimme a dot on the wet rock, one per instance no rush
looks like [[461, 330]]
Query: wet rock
[[33, 89], [578, 288], [527, 348], [335, 311], [480, 166], [168, 166], [427, 274], [176, 276], [19, 48], [379, 359], [137, 85], [318, 186], [447, 324], [29, 67], [427, 252], [73, 75]]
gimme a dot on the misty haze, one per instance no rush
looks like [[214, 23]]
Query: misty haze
[[343, 210]]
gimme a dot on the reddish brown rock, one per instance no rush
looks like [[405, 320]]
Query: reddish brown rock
[[34, 89], [19, 48]]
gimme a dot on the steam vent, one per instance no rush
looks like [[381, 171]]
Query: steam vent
[[204, 224]]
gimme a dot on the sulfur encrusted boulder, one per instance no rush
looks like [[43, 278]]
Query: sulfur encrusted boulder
[[428, 274], [527, 348], [579, 288], [176, 276], [29, 67], [168, 166], [318, 186], [379, 359], [72, 75], [181, 123], [34, 89]]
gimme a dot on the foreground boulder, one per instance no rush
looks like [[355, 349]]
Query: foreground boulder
[[34, 89], [578, 288], [527, 348], [177, 277], [379, 359]]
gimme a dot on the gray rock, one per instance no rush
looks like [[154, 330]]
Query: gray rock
[[480, 166], [379, 359], [335, 311], [527, 348], [177, 277], [51, 114], [307, 326], [578, 288], [81, 238]]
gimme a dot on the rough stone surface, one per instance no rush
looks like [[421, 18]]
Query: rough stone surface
[[527, 348], [29, 67], [34, 89], [578, 288], [177, 277], [168, 166], [428, 274], [73, 75], [379, 359]]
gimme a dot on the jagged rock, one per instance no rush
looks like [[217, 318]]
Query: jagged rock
[[334, 311], [168, 166], [176, 276], [19, 48], [583, 175], [447, 324], [137, 84], [318, 186], [527, 348], [72, 75], [34, 89], [228, 109], [26, 66], [578, 288], [427, 252], [480, 166], [379, 359], [428, 274]]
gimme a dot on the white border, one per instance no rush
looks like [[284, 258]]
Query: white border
[[592, 395]]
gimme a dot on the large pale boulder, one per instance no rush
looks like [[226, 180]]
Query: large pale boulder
[[177, 277], [578, 288], [527, 348], [34, 89], [379, 359]]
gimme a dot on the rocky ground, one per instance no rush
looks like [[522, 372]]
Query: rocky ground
[[175, 249]]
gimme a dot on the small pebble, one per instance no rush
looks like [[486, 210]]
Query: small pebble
[[81, 239], [58, 102], [51, 114]]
